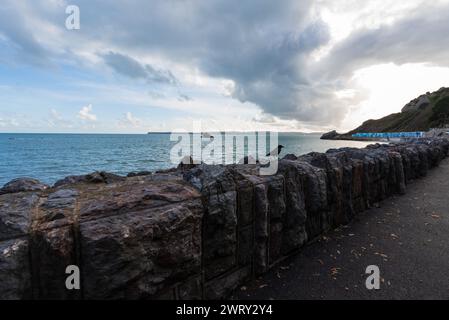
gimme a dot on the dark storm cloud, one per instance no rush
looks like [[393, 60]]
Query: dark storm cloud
[[183, 97], [19, 37], [264, 46], [132, 68]]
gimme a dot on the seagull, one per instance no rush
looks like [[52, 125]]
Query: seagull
[[276, 151]]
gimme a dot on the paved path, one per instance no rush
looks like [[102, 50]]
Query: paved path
[[408, 238]]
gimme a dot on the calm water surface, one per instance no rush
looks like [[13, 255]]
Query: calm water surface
[[49, 157]]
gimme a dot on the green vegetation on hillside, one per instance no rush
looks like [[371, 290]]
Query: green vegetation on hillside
[[421, 114], [440, 115]]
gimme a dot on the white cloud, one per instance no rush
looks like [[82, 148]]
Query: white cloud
[[86, 114], [55, 115], [130, 120], [295, 61], [389, 94], [9, 122], [56, 120]]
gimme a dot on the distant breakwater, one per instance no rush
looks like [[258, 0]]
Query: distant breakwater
[[194, 232]]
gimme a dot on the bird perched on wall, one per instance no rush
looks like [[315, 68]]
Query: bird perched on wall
[[276, 151]]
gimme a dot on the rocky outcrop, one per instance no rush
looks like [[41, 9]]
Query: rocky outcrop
[[191, 233], [332, 135], [430, 110], [22, 185], [95, 177], [139, 173], [419, 103]]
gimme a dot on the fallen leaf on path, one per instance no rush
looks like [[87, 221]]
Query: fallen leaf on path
[[335, 271], [380, 254]]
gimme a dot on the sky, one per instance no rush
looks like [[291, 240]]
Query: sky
[[144, 65]]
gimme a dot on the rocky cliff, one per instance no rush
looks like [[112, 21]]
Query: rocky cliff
[[190, 233], [430, 110]]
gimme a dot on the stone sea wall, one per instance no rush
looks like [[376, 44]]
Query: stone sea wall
[[189, 233]]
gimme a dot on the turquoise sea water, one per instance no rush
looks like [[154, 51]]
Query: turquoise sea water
[[49, 157]]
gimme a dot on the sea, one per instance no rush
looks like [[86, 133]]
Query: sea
[[50, 157]]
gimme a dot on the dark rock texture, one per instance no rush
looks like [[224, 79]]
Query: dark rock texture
[[140, 173], [16, 211], [15, 273], [95, 177], [194, 232], [23, 185], [136, 255], [331, 135]]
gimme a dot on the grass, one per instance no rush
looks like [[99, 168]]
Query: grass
[[431, 116], [440, 114]]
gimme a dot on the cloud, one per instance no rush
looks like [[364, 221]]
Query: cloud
[[19, 38], [419, 38], [55, 119], [86, 115], [265, 52], [55, 115], [259, 45], [8, 122], [130, 120], [184, 97], [132, 68]]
